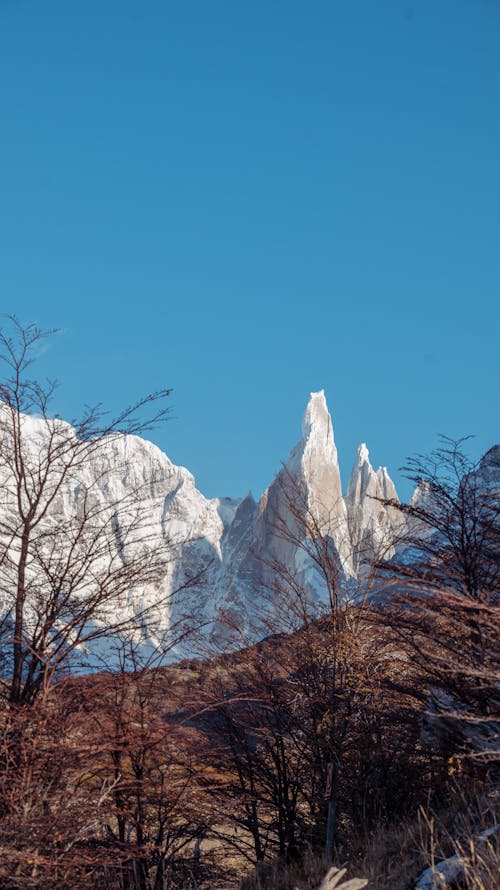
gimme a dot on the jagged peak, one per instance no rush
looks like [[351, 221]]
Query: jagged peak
[[365, 481], [362, 455], [387, 487], [362, 476], [422, 495], [316, 415]]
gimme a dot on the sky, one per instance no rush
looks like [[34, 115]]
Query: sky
[[250, 201]]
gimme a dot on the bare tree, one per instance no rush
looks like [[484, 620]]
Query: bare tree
[[143, 754], [65, 574], [453, 523], [307, 738], [52, 808], [441, 595]]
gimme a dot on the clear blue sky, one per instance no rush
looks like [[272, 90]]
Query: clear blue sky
[[251, 200]]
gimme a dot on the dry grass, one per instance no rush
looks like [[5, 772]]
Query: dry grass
[[393, 858], [311, 874], [277, 875], [481, 861], [476, 847], [467, 836]]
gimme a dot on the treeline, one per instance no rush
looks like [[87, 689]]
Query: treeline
[[384, 707]]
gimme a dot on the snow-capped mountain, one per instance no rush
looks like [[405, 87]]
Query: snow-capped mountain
[[373, 528], [225, 557]]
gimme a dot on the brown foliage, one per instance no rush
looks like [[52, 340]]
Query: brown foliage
[[442, 602]]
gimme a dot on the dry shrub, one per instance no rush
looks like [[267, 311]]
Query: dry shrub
[[50, 810]]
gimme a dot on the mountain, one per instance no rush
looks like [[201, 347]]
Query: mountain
[[223, 553], [373, 528], [488, 470]]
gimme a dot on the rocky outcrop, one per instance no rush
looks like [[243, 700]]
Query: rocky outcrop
[[373, 527], [450, 873]]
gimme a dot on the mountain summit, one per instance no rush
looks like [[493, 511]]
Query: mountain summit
[[306, 494], [233, 548]]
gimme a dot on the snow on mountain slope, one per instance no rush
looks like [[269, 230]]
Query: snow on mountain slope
[[231, 547], [124, 498], [372, 526], [265, 543]]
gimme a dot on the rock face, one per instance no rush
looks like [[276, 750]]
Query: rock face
[[124, 497], [314, 465], [373, 528], [489, 469], [233, 548], [270, 546]]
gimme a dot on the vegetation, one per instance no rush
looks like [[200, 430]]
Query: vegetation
[[60, 576], [365, 735]]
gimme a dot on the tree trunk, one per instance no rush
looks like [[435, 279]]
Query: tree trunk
[[17, 671]]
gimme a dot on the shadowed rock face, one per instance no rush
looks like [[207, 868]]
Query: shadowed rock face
[[489, 468]]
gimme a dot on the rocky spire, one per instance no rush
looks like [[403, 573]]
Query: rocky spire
[[315, 459], [372, 525], [309, 479]]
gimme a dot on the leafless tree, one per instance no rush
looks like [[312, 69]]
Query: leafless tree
[[51, 807], [143, 754], [301, 726], [441, 596], [64, 575]]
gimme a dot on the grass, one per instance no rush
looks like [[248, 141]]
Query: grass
[[393, 857], [277, 875]]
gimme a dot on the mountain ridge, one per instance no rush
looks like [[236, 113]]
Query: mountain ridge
[[235, 547]]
